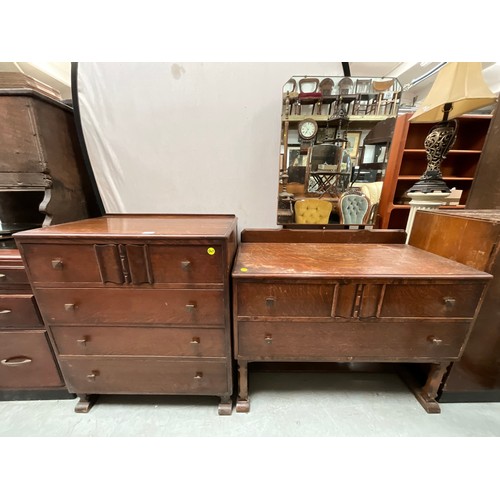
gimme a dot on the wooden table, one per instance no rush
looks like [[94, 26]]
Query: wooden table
[[341, 302]]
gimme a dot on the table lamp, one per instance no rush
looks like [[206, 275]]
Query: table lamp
[[459, 88]]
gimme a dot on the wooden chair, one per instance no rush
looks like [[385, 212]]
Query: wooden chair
[[354, 208]]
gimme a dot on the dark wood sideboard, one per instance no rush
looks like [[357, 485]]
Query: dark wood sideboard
[[471, 237], [137, 304], [341, 302]]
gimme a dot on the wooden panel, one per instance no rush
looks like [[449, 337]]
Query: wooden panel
[[340, 341], [144, 226], [470, 242], [346, 261], [196, 342], [128, 306], [320, 236], [473, 237], [136, 375], [20, 150], [187, 263], [275, 299], [110, 267], [26, 361], [428, 301], [54, 263], [13, 276], [138, 264], [18, 311]]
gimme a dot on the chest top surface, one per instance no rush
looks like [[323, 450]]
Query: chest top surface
[[140, 226], [334, 260]]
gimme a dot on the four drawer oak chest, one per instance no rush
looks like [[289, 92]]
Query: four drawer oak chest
[[137, 304], [333, 302]]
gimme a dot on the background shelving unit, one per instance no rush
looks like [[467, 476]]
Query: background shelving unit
[[408, 161]]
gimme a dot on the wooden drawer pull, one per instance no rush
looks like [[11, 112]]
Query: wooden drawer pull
[[18, 360], [69, 307], [199, 375], [92, 376], [268, 338], [57, 264], [435, 340], [449, 301], [186, 264], [2, 277], [190, 307], [82, 342], [5, 311], [195, 340], [270, 301]]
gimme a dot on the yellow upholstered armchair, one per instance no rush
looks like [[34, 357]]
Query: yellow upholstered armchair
[[312, 211]]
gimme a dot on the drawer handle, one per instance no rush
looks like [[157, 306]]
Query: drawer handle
[[190, 307], [199, 375], [19, 360], [268, 338], [435, 340], [57, 264], [270, 301], [92, 376], [82, 342], [195, 340], [5, 311], [2, 277], [186, 264], [69, 307], [449, 301]]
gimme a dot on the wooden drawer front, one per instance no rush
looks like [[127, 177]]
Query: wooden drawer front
[[127, 375], [149, 341], [92, 306], [13, 276], [262, 299], [26, 361], [459, 301], [62, 263], [18, 311], [374, 341], [187, 264]]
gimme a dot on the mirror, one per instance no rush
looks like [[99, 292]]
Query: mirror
[[335, 137]]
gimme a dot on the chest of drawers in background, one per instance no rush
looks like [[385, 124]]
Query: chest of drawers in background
[[352, 303], [28, 369], [137, 304]]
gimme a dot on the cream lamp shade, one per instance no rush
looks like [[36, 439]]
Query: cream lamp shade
[[460, 84]]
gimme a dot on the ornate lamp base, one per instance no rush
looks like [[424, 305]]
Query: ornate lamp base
[[438, 142]]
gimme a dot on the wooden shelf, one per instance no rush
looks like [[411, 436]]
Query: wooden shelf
[[450, 152], [417, 177], [349, 118], [408, 157]]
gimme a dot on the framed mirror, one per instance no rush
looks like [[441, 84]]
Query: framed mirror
[[324, 123]]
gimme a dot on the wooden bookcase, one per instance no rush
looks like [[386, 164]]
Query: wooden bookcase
[[408, 161]]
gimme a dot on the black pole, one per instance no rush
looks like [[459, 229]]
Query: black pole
[[346, 68]]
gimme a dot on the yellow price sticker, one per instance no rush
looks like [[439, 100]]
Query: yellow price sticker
[[243, 269], [211, 251]]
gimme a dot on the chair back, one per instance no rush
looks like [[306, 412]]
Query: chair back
[[354, 208], [312, 211]]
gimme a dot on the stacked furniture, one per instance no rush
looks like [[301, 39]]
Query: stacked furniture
[[43, 181], [137, 304], [471, 237], [28, 367]]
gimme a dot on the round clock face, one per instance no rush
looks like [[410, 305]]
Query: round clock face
[[307, 129]]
